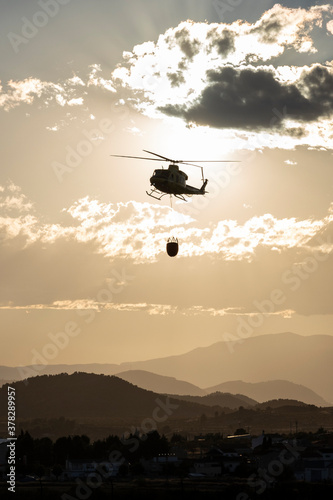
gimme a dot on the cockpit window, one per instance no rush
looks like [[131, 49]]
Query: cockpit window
[[162, 174]]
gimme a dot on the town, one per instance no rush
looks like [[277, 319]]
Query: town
[[240, 466]]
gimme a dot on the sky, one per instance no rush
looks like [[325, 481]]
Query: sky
[[85, 277]]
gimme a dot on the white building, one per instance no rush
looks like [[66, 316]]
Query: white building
[[83, 467], [210, 469]]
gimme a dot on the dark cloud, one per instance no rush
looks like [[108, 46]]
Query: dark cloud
[[269, 28], [255, 99], [176, 78], [224, 42], [319, 85], [188, 46], [296, 132], [182, 64]]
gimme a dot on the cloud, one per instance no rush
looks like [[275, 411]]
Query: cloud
[[28, 90], [100, 248], [189, 46], [288, 27], [13, 200], [213, 75], [246, 99], [96, 80], [223, 40], [223, 76], [150, 309], [329, 27], [139, 231], [71, 92], [317, 84], [290, 162]]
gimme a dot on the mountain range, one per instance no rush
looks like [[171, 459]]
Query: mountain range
[[161, 383], [272, 389], [100, 405], [243, 393], [284, 357], [224, 400], [87, 395]]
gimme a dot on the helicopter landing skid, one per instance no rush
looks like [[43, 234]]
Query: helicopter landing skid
[[155, 191], [151, 194]]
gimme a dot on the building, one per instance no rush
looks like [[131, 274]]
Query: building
[[82, 468], [210, 469], [317, 469]]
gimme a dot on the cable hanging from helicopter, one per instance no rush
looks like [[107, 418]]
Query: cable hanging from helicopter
[[173, 182]]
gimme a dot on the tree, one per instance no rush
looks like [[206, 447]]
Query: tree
[[240, 432], [43, 451], [177, 438], [57, 471], [154, 445]]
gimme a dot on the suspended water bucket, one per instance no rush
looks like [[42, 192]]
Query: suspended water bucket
[[172, 247]]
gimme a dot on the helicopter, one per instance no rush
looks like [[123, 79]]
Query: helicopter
[[172, 181]]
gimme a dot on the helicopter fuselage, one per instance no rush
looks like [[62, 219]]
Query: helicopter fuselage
[[173, 181]]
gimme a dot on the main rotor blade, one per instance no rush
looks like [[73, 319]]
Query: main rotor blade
[[187, 162], [164, 157], [208, 161], [136, 157]]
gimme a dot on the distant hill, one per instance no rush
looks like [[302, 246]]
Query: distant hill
[[3, 382], [100, 405], [303, 360], [272, 389], [89, 395], [225, 400], [280, 403], [11, 373], [160, 383]]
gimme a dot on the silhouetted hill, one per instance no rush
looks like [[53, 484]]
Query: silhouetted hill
[[3, 382], [303, 360], [89, 395], [160, 383], [12, 373], [100, 405], [272, 389], [225, 400], [280, 403]]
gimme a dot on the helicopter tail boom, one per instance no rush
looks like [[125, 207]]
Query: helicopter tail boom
[[202, 189]]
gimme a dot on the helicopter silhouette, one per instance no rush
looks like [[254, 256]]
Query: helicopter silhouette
[[172, 181]]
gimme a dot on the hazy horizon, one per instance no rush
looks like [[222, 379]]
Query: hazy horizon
[[233, 346]]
